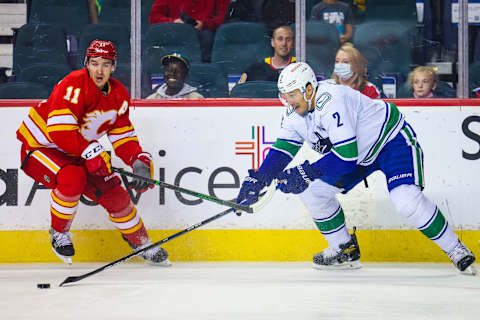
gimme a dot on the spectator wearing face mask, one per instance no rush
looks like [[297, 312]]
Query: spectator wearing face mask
[[351, 70]]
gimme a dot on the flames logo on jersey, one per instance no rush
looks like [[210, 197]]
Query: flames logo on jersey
[[97, 123], [323, 145]]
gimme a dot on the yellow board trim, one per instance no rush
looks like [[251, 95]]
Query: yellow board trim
[[231, 245]]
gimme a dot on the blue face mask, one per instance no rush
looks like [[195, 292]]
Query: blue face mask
[[343, 71]]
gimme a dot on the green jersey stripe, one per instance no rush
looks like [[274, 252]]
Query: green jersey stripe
[[394, 119], [286, 146], [347, 152]]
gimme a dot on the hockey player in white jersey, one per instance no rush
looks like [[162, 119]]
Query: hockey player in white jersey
[[356, 136]]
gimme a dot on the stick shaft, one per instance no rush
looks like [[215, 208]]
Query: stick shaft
[[186, 191], [136, 253]]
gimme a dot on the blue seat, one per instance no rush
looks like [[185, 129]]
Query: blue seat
[[72, 15], [165, 38], [39, 42], [23, 90], [385, 45], [238, 44], [255, 89], [48, 74], [209, 80], [391, 10], [114, 32]]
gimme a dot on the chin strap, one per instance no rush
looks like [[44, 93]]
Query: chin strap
[[309, 101]]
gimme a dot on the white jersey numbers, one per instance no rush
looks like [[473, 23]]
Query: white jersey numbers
[[76, 94]]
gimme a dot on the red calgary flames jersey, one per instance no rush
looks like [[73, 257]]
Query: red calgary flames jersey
[[76, 113]]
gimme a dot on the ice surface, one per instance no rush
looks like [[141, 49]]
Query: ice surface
[[239, 291]]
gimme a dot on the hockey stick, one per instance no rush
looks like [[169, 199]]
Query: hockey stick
[[236, 206], [136, 253]]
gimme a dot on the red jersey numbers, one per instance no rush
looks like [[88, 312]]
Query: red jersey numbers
[[72, 98]]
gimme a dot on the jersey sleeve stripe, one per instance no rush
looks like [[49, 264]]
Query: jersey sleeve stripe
[[62, 127], [122, 141], [346, 152], [121, 130], [289, 147], [63, 119], [62, 112], [392, 125]]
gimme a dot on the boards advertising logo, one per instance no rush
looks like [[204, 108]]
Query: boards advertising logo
[[256, 148]]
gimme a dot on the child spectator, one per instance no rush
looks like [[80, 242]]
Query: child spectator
[[423, 80], [176, 71], [337, 13], [351, 70]]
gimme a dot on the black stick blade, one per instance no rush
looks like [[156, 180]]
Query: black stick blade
[[70, 280]]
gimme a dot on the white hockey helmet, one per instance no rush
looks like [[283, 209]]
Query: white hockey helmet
[[296, 76]]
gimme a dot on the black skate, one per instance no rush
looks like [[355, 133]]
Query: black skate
[[462, 258], [345, 257], [62, 245], [156, 256]]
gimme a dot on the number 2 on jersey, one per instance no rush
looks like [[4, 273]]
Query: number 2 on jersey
[[76, 93], [336, 115]]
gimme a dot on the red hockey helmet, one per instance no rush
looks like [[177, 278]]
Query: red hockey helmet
[[103, 49]]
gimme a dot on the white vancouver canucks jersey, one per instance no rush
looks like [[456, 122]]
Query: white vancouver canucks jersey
[[343, 121]]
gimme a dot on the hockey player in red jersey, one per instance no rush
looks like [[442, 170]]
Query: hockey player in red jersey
[[60, 149]]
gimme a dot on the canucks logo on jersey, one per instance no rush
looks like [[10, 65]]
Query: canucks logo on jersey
[[323, 145]]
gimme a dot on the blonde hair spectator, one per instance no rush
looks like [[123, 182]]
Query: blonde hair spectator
[[423, 80]]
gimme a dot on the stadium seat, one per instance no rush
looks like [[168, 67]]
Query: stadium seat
[[165, 38], [255, 89], [208, 79], [38, 43], [391, 10], [23, 90], [322, 43], [474, 79], [115, 11], [238, 44], [385, 45], [47, 74], [71, 14], [114, 32]]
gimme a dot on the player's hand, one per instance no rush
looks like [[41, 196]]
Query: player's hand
[[295, 180], [250, 190], [97, 160], [142, 166]]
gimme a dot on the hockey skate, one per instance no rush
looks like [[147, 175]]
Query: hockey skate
[[155, 256], [344, 257], [462, 258], [62, 245]]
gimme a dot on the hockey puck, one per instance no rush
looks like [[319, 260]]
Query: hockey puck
[[43, 285]]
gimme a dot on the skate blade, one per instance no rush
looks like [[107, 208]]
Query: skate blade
[[164, 263], [65, 259], [470, 271], [350, 265]]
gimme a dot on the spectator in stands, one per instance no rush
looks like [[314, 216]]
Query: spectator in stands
[[337, 13], [422, 82], [176, 71], [276, 13], [204, 15], [351, 70], [282, 42]]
